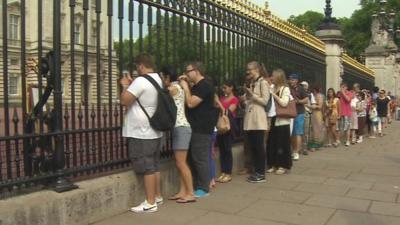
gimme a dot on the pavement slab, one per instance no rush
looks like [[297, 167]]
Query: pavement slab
[[288, 212], [224, 219], [372, 195], [385, 208], [337, 202], [359, 185], [342, 217], [322, 189]]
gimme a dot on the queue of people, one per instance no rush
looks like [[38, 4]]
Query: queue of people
[[282, 119]]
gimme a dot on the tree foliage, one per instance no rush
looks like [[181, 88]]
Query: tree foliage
[[180, 43], [356, 29], [310, 20]]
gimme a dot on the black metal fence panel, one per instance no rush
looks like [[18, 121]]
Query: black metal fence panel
[[59, 91]]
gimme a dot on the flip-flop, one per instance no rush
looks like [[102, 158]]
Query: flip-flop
[[184, 201], [174, 198]]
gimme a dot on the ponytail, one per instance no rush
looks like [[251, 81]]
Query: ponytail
[[263, 71]]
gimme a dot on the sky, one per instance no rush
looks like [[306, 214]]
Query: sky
[[286, 8], [281, 8]]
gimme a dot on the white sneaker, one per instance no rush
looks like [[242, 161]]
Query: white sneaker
[[145, 207], [347, 143], [295, 156], [159, 200], [360, 139]]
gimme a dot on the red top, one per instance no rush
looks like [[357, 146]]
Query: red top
[[345, 108], [226, 103]]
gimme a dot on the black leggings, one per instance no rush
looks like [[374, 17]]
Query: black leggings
[[256, 140]]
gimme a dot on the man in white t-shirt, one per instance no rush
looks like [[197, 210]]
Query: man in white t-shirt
[[144, 142]]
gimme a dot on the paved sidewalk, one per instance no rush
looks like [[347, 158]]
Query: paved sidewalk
[[359, 185]]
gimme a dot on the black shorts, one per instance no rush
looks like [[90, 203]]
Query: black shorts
[[144, 155]]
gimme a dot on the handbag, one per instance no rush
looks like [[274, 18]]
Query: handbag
[[286, 112], [223, 123]]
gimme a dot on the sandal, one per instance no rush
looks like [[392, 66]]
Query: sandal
[[226, 179], [184, 201], [174, 197], [220, 178]]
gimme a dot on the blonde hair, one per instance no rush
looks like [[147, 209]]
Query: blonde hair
[[280, 78], [260, 67]]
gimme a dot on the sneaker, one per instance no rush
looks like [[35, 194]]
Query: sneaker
[[256, 178], [159, 200], [359, 141], [347, 143], [271, 170], [280, 171], [305, 152], [145, 207], [200, 193], [295, 156]]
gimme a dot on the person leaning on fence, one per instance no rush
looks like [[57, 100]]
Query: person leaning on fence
[[229, 103], [279, 159], [202, 116], [316, 140], [332, 115], [181, 135], [255, 120], [248, 164], [144, 142], [301, 99]]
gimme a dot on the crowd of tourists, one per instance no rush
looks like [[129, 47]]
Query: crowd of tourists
[[283, 118]]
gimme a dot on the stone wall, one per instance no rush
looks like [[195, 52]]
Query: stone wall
[[95, 199]]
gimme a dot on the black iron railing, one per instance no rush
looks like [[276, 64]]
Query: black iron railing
[[49, 135]]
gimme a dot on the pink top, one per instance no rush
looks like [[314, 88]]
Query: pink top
[[226, 103], [345, 108]]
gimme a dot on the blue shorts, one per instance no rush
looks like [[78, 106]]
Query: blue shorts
[[298, 125]]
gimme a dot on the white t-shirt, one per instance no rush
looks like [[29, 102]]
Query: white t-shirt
[[136, 124], [272, 110]]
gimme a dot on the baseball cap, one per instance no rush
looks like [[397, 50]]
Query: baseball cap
[[294, 76]]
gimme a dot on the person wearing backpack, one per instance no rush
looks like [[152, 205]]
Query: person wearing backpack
[[144, 142], [202, 115]]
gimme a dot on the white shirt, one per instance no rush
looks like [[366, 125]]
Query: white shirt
[[179, 99], [136, 124], [272, 110]]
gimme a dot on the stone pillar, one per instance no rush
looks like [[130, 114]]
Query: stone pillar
[[333, 40], [334, 67], [329, 32]]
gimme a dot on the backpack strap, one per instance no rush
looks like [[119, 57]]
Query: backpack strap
[[156, 86]]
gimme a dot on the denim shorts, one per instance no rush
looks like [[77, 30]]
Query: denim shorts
[[181, 138], [298, 125]]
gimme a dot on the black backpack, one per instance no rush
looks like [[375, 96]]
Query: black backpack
[[164, 117]]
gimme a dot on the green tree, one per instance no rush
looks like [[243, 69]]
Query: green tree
[[310, 20], [356, 29], [187, 48]]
